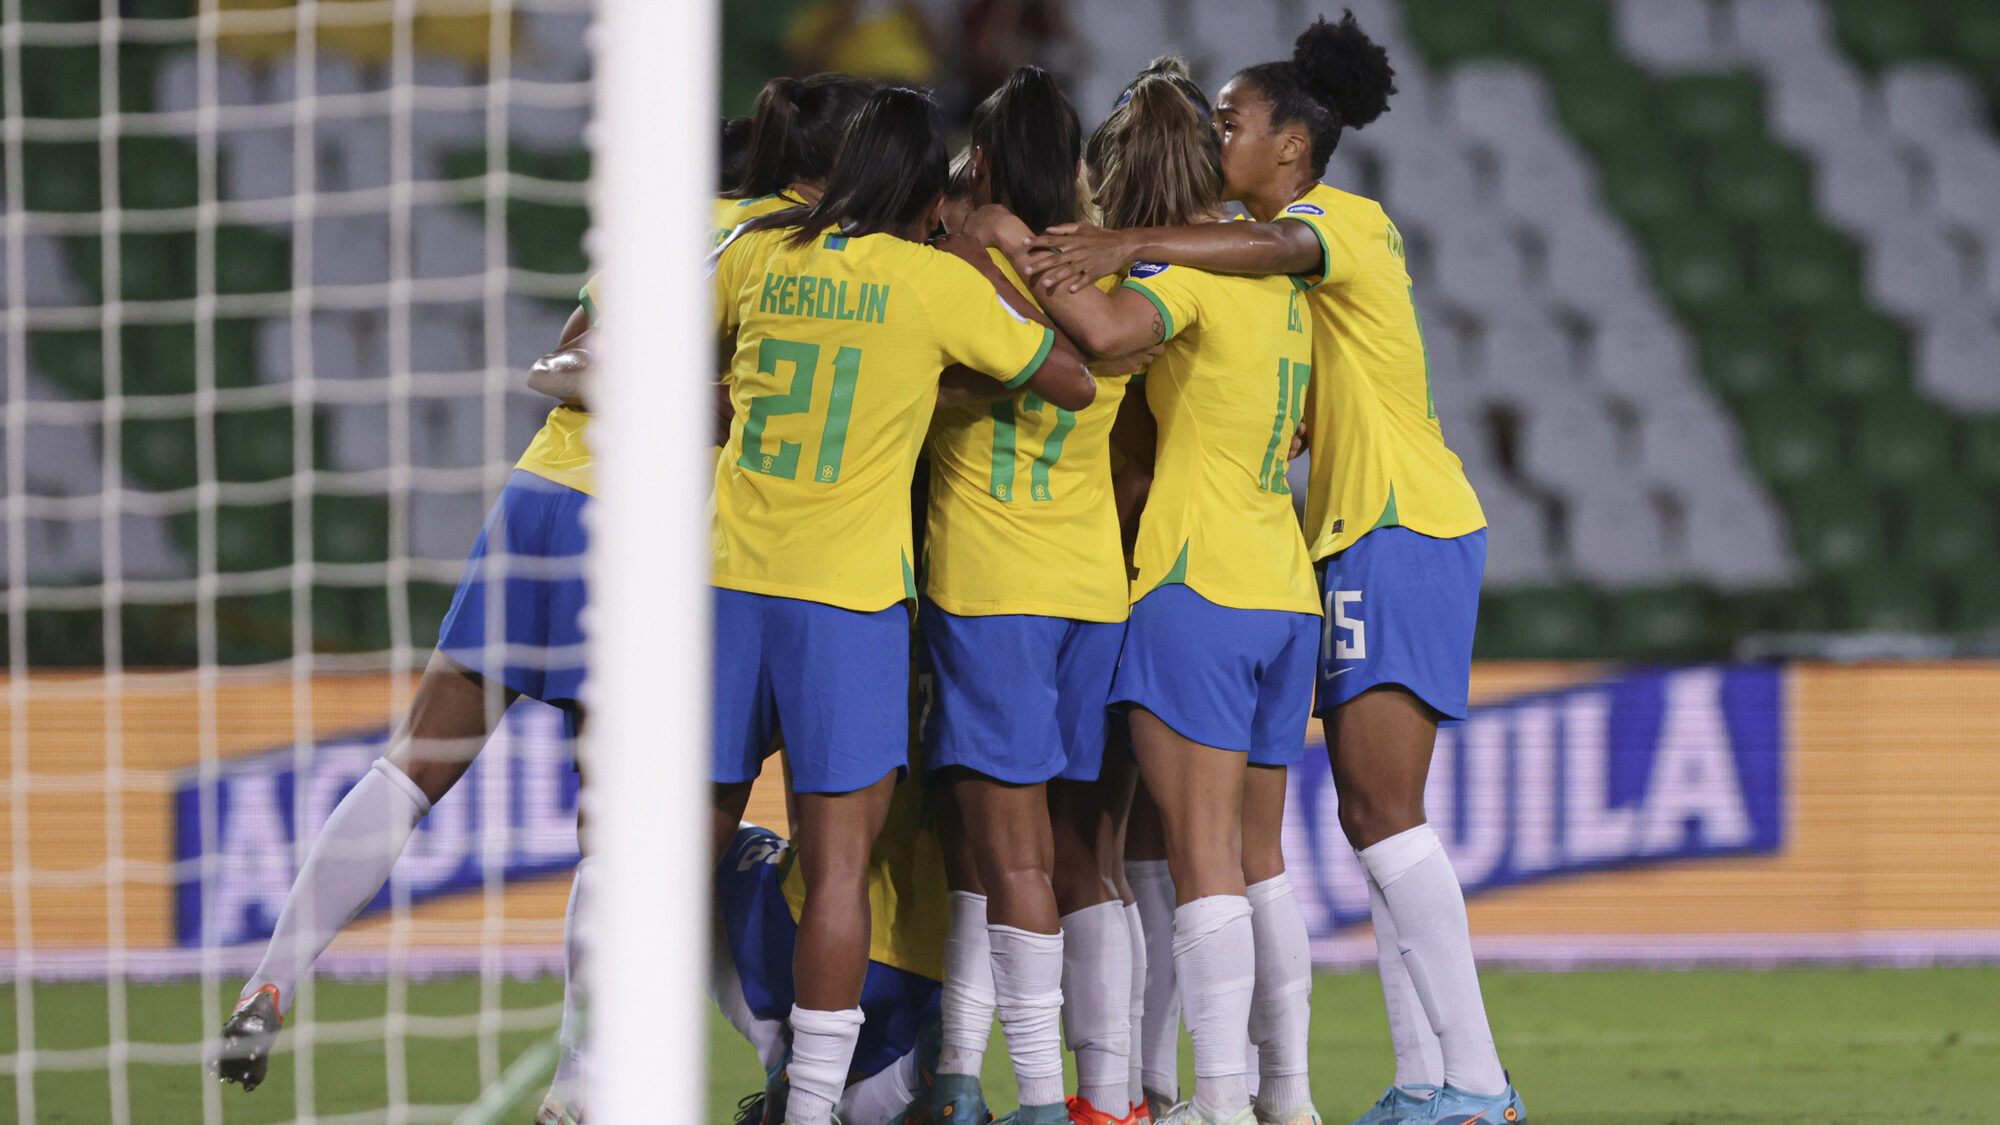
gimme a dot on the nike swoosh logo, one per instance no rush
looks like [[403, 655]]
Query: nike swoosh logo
[[1338, 672]]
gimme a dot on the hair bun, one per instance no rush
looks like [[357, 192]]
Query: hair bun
[[1345, 70]]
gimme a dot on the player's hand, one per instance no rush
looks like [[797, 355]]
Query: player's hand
[[994, 225], [245, 1051], [1299, 440], [1076, 255], [1131, 364]]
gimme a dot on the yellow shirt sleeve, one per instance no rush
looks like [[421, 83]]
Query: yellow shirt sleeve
[[726, 270], [1172, 291], [1340, 257], [977, 328], [588, 297]]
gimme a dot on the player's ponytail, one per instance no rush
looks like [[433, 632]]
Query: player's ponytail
[[1336, 79], [1154, 161], [890, 168], [796, 129], [1032, 139]]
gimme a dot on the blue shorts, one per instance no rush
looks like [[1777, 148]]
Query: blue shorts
[[535, 532], [1235, 679], [835, 681], [1018, 698], [758, 923], [1400, 609]]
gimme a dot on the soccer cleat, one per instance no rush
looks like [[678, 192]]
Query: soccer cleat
[[1454, 1106], [245, 1052], [1157, 1104], [554, 1112], [749, 1110], [1188, 1113], [777, 1093], [1054, 1114], [1398, 1106], [955, 1099], [1142, 1114], [930, 1044], [1081, 1112], [1297, 1115]]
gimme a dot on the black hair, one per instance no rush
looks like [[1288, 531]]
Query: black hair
[[890, 167], [1174, 69], [734, 154], [797, 126], [1032, 140], [1337, 78]]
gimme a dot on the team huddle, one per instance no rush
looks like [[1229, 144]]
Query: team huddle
[[1007, 569]]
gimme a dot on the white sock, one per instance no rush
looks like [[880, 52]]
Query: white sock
[[1435, 940], [725, 987], [346, 866], [567, 1089], [1215, 956], [1281, 1005], [1418, 1060], [967, 1000], [1135, 1092], [1027, 990], [1160, 1030], [1097, 1002], [822, 1052], [881, 1098]]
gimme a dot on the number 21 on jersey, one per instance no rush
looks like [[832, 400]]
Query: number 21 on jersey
[[797, 399]]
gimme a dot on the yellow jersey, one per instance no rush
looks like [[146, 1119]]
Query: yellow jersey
[[1021, 516], [733, 213], [839, 345], [1227, 394], [907, 907], [1378, 454], [559, 452]]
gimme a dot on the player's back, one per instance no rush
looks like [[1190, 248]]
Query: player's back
[[732, 213]]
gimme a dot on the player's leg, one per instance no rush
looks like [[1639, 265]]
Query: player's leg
[[1281, 1004], [966, 1005], [1158, 1008], [1088, 818]]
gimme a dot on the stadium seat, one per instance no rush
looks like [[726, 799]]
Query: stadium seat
[[1449, 31], [1617, 537], [1970, 33], [1913, 270], [1979, 450], [1790, 439], [447, 242], [1427, 181], [1667, 36], [353, 436], [1657, 623], [1902, 442], [447, 433], [1775, 34], [1493, 99], [1931, 103], [1877, 34], [1822, 105], [1561, 29], [60, 175], [1804, 265], [70, 358], [1774, 610], [1746, 353], [1751, 184], [1837, 526], [350, 249], [1860, 189], [1602, 100], [1525, 358], [1736, 535], [248, 260], [1647, 185], [1545, 181], [254, 445], [1716, 108], [1641, 357], [345, 345], [1975, 604], [47, 275], [1886, 599], [1700, 265], [1686, 440], [447, 338], [444, 524], [350, 529], [156, 172], [1963, 175], [1568, 444], [1948, 530], [1478, 264], [1854, 352], [1596, 267], [1554, 622]]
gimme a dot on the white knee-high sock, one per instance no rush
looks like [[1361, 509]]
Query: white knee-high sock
[[881, 1098], [822, 1053], [567, 1088], [1160, 1030], [1215, 955], [1135, 1090], [967, 1001], [346, 866], [1097, 1002], [1435, 940], [1418, 1060], [1027, 992], [1281, 1005]]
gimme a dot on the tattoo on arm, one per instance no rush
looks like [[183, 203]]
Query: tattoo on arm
[[1159, 329]]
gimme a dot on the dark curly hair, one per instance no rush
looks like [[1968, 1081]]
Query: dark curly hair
[[1337, 78]]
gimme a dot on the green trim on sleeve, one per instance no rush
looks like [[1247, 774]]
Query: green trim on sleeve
[[1166, 318], [588, 302], [1035, 364], [1325, 254]]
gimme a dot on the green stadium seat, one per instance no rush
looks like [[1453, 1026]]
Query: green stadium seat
[[1791, 440], [1855, 352], [156, 172], [1699, 265], [428, 602], [248, 260], [254, 445], [1755, 183], [1603, 100], [1948, 529], [1806, 265], [59, 81], [1876, 34], [1649, 187], [159, 636], [159, 452], [1561, 29], [352, 619], [547, 237], [1784, 610], [1975, 602], [1886, 599], [60, 175], [1449, 31], [1745, 354], [1714, 107], [1838, 526], [1670, 623], [248, 536], [1969, 31], [72, 357], [1979, 450], [1557, 622], [254, 629], [350, 529], [1899, 441]]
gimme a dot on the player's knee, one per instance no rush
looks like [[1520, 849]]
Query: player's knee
[[1368, 821]]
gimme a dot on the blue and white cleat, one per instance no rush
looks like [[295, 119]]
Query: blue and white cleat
[[1056, 1114], [1188, 1113], [1454, 1106], [1400, 1105], [955, 1099]]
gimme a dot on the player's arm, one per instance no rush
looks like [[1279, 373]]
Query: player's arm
[[1076, 254], [1103, 324], [1062, 377], [1134, 438], [564, 373]]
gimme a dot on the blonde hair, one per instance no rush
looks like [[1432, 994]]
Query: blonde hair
[[1155, 161]]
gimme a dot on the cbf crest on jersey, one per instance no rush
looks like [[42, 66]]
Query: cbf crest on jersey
[[1305, 209], [1148, 269]]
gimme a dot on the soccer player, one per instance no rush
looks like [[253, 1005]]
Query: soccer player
[[1397, 533], [840, 320], [794, 132], [1219, 650], [533, 542], [1023, 617]]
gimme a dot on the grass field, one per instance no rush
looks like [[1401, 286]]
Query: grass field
[[1826, 1047]]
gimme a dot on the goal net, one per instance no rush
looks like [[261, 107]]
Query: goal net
[[273, 274]]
